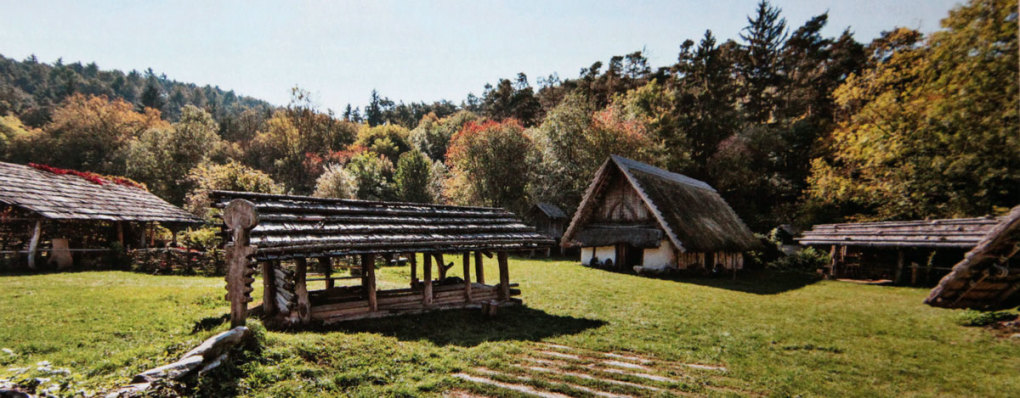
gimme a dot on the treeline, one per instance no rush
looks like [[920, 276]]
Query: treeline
[[791, 126]]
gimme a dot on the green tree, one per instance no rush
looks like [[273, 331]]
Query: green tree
[[336, 182], [759, 67], [162, 158], [389, 140], [232, 176], [414, 172], [432, 135], [373, 176], [491, 164]]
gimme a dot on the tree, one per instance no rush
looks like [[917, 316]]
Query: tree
[[232, 176], [373, 176], [432, 136], [279, 151], [759, 68], [388, 140], [414, 172], [336, 182], [514, 100], [931, 127], [162, 158], [491, 163]]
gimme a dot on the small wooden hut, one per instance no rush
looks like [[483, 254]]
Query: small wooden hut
[[62, 212], [548, 220], [897, 250], [988, 277], [294, 237], [637, 215]]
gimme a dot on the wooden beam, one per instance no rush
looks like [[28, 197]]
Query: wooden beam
[[304, 306], [427, 293], [414, 269], [899, 266], [504, 276], [368, 269], [467, 276], [269, 287], [326, 264], [479, 268], [33, 244]]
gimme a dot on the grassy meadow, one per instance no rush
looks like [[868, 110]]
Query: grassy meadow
[[776, 336]]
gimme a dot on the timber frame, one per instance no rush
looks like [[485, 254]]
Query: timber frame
[[296, 240]]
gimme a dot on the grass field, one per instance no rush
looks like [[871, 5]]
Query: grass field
[[776, 336]]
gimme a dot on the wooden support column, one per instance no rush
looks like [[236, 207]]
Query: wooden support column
[[899, 267], [467, 276], [240, 217], [427, 294], [441, 264], [304, 306], [368, 269], [479, 269], [120, 233], [326, 264], [913, 274], [504, 277], [33, 244], [269, 288], [414, 269]]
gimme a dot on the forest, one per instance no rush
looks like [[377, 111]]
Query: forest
[[791, 127]]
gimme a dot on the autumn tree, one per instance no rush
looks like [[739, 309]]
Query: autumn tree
[[162, 158], [491, 164], [432, 135], [389, 140], [232, 176]]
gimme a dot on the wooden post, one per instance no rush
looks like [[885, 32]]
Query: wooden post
[[441, 264], [467, 276], [913, 274], [504, 277], [899, 267], [33, 244], [414, 269], [427, 294], [304, 306], [368, 269], [240, 217], [479, 269], [120, 234], [326, 264], [269, 288]]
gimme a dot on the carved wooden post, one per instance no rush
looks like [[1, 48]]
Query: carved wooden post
[[326, 264], [304, 307], [427, 293], [467, 276], [479, 270], [504, 277], [368, 269], [240, 217], [33, 244]]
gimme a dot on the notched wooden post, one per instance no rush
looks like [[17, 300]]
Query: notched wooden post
[[240, 217]]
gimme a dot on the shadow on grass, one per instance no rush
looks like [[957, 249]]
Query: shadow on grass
[[468, 327], [756, 282]]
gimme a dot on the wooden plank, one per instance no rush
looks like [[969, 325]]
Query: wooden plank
[[427, 292], [467, 276], [368, 268], [301, 290], [504, 276], [479, 268]]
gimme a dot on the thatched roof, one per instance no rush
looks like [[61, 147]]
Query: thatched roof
[[988, 277], [691, 213], [301, 226], [550, 210], [67, 195], [959, 232]]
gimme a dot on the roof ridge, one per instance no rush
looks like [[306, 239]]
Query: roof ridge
[[659, 172]]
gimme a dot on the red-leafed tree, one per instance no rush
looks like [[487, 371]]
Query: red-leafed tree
[[491, 164]]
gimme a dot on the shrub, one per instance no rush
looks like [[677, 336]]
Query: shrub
[[984, 318]]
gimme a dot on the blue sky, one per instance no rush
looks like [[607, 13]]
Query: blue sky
[[408, 50]]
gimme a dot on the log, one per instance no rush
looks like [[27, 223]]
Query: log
[[326, 266], [301, 290], [504, 276], [288, 296], [479, 268], [269, 287], [427, 291], [467, 276], [368, 264], [282, 305]]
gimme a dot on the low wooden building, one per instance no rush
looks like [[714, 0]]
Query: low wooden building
[[988, 277], [294, 237], [912, 251], [548, 219], [58, 213], [637, 215]]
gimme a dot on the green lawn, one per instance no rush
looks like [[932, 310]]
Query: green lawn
[[776, 336]]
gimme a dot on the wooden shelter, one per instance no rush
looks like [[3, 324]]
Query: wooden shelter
[[548, 220], [75, 212], [988, 277], [637, 215], [292, 237], [886, 249]]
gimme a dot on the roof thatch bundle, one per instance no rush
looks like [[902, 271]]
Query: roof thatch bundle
[[690, 212], [69, 195], [988, 277]]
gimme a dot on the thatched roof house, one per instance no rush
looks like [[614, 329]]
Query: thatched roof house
[[280, 229], [71, 206], [988, 277], [885, 249], [635, 214]]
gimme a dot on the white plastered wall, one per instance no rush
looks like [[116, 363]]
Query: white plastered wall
[[657, 258], [602, 252]]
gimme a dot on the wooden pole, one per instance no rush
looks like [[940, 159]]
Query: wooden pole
[[504, 277], [304, 306], [33, 244], [240, 217], [427, 294], [913, 274], [326, 264], [368, 269], [441, 264], [479, 269], [899, 266], [269, 288], [120, 233], [414, 269], [467, 276]]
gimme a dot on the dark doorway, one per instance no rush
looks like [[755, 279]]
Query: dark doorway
[[628, 256]]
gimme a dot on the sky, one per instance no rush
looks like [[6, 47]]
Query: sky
[[408, 50]]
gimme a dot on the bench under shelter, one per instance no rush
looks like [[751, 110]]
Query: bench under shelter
[[297, 240]]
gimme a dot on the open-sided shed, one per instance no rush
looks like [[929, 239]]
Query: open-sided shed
[[75, 212], [637, 215], [988, 277], [283, 232]]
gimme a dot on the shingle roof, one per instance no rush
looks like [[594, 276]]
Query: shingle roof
[[958, 232], [693, 215], [552, 211], [70, 197], [988, 277], [301, 226]]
